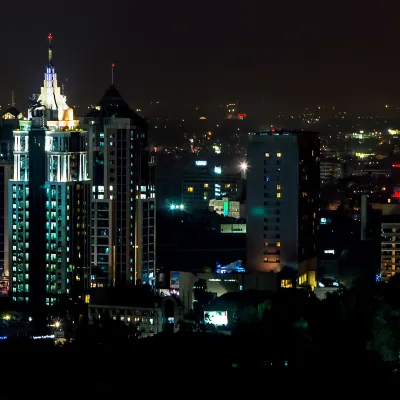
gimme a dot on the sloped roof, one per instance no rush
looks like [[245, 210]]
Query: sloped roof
[[12, 111], [113, 105]]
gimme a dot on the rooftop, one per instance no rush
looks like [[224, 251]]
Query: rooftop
[[12, 110], [113, 105]]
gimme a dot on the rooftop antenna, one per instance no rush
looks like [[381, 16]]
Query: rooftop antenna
[[12, 98], [112, 73], [50, 37]]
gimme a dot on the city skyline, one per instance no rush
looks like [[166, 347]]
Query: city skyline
[[274, 57]]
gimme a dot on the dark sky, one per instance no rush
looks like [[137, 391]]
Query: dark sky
[[270, 55]]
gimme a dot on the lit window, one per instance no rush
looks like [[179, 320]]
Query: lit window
[[265, 244], [279, 154], [278, 244], [278, 195], [111, 188], [312, 152], [228, 185], [206, 185], [190, 189], [266, 154], [286, 283], [278, 187]]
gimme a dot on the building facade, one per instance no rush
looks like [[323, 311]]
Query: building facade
[[225, 207], [6, 173], [49, 202], [124, 204], [205, 182], [390, 246], [283, 202]]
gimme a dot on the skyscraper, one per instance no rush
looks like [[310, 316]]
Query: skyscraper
[[49, 204], [124, 209], [283, 202]]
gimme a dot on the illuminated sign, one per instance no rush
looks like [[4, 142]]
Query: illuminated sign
[[242, 115], [174, 280], [43, 337], [217, 318], [396, 165], [329, 251], [200, 163], [396, 195]]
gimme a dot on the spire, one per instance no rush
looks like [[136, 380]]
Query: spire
[[112, 73], [50, 37]]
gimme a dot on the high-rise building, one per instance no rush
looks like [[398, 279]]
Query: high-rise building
[[6, 173], [390, 244], [124, 206], [283, 202], [49, 201], [205, 181]]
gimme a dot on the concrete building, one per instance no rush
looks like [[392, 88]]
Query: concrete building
[[220, 283], [390, 246], [225, 207], [330, 171], [123, 174], [137, 306], [283, 202], [205, 182]]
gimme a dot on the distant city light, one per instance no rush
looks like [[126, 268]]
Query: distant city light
[[218, 170], [244, 166], [177, 207], [200, 163]]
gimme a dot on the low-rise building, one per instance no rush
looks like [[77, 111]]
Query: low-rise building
[[136, 306]]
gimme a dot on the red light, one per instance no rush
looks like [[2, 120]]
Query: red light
[[50, 37], [396, 195], [272, 130], [242, 115], [396, 165], [113, 65]]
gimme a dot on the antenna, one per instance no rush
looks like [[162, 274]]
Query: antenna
[[112, 73], [12, 98], [50, 37]]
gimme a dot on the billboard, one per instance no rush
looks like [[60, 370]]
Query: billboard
[[174, 280], [217, 318]]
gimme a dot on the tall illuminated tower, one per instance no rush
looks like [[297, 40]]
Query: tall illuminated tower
[[49, 214], [124, 209]]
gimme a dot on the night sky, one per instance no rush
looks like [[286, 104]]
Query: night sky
[[270, 55]]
